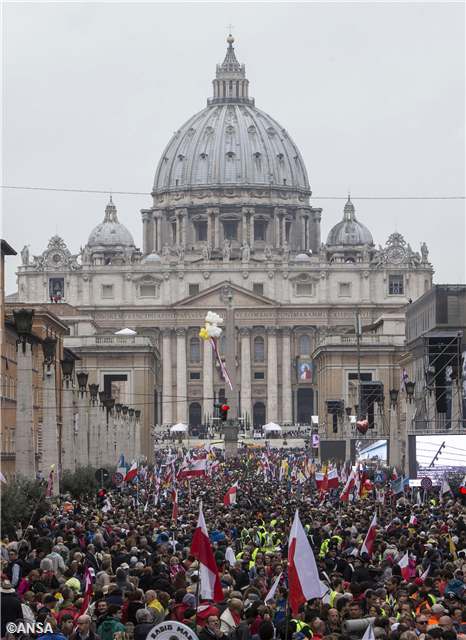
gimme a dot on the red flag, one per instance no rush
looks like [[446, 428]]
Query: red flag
[[175, 504], [347, 488], [404, 566], [48, 492], [132, 473], [323, 487], [368, 544], [303, 573], [211, 588], [230, 496], [87, 595]]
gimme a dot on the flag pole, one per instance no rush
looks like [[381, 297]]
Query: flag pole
[[288, 602]]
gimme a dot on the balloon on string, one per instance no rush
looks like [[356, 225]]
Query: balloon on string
[[362, 426]]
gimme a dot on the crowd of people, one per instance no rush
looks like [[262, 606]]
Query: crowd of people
[[143, 572]]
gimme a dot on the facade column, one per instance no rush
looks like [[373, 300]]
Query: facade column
[[167, 384], [178, 230], [277, 228], [209, 228], [94, 444], [244, 230], [49, 431], [302, 244], [217, 232], [208, 380], [251, 229], [68, 452], [272, 384], [25, 445], [181, 376], [283, 238], [145, 232], [246, 402], [82, 442], [287, 411]]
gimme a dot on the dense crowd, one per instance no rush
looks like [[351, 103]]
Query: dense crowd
[[143, 572]]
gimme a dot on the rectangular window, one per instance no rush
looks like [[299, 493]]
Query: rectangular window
[[195, 375], [304, 289], [259, 230], [107, 291], [12, 388], [395, 285], [230, 230], [201, 231], [258, 349], [345, 289], [259, 375], [5, 442], [147, 291], [12, 440], [193, 289], [258, 287]]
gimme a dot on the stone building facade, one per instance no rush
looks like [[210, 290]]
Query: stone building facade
[[231, 215]]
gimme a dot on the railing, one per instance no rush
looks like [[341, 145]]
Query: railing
[[114, 340]]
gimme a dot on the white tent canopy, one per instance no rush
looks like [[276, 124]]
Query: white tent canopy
[[179, 427], [126, 332], [272, 426]]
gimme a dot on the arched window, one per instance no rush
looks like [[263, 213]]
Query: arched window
[[258, 348], [304, 346], [195, 415], [223, 346], [194, 350]]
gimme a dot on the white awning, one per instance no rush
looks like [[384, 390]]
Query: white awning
[[272, 426], [179, 427]]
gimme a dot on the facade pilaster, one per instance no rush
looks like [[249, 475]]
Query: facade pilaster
[[145, 232], [137, 438], [68, 453], [208, 379], [272, 382], [82, 444], [246, 402], [25, 450], [181, 376], [167, 394], [49, 431], [94, 450], [287, 409]]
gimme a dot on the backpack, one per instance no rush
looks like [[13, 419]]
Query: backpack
[[82, 542]]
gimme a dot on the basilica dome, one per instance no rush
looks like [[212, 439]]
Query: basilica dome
[[231, 142], [110, 232], [349, 231]]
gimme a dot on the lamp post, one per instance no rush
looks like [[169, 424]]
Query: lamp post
[[49, 451], [109, 406], [68, 445], [410, 463], [394, 449], [25, 461]]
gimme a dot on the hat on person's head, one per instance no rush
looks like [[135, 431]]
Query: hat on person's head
[[418, 581], [49, 598], [134, 551], [133, 560], [190, 600], [438, 608], [450, 596], [92, 571], [6, 587], [125, 565]]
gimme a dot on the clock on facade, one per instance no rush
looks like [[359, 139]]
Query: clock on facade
[[396, 255], [56, 258]]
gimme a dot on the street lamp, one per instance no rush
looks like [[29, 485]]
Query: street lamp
[[131, 412], [109, 404], [410, 390], [67, 366], [137, 413], [118, 407], [49, 346], [102, 397], [24, 319], [93, 391], [125, 410], [82, 380], [393, 396], [348, 411]]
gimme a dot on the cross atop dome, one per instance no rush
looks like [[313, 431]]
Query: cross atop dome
[[230, 84]]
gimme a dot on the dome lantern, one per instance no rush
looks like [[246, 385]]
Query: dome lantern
[[110, 232], [230, 83]]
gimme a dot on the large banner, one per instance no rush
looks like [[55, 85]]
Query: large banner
[[304, 369]]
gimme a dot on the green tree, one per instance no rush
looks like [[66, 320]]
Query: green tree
[[82, 481], [23, 500]]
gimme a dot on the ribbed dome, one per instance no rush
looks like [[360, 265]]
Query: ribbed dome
[[349, 231], [231, 142], [110, 232], [153, 257]]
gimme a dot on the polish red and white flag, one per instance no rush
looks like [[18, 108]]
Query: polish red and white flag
[[133, 472], [303, 574], [368, 544], [404, 566], [196, 467], [230, 496], [175, 504], [211, 588]]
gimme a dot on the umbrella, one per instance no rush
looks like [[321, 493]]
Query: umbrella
[[179, 427], [272, 426]]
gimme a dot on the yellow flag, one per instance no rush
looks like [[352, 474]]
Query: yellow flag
[[452, 548]]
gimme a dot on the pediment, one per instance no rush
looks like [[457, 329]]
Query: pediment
[[303, 277], [216, 297], [147, 279]]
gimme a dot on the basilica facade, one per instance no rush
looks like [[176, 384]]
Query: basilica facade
[[231, 226]]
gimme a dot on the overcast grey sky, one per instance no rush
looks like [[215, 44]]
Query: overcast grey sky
[[372, 93]]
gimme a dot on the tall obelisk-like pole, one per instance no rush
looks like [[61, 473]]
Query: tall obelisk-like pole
[[231, 356]]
